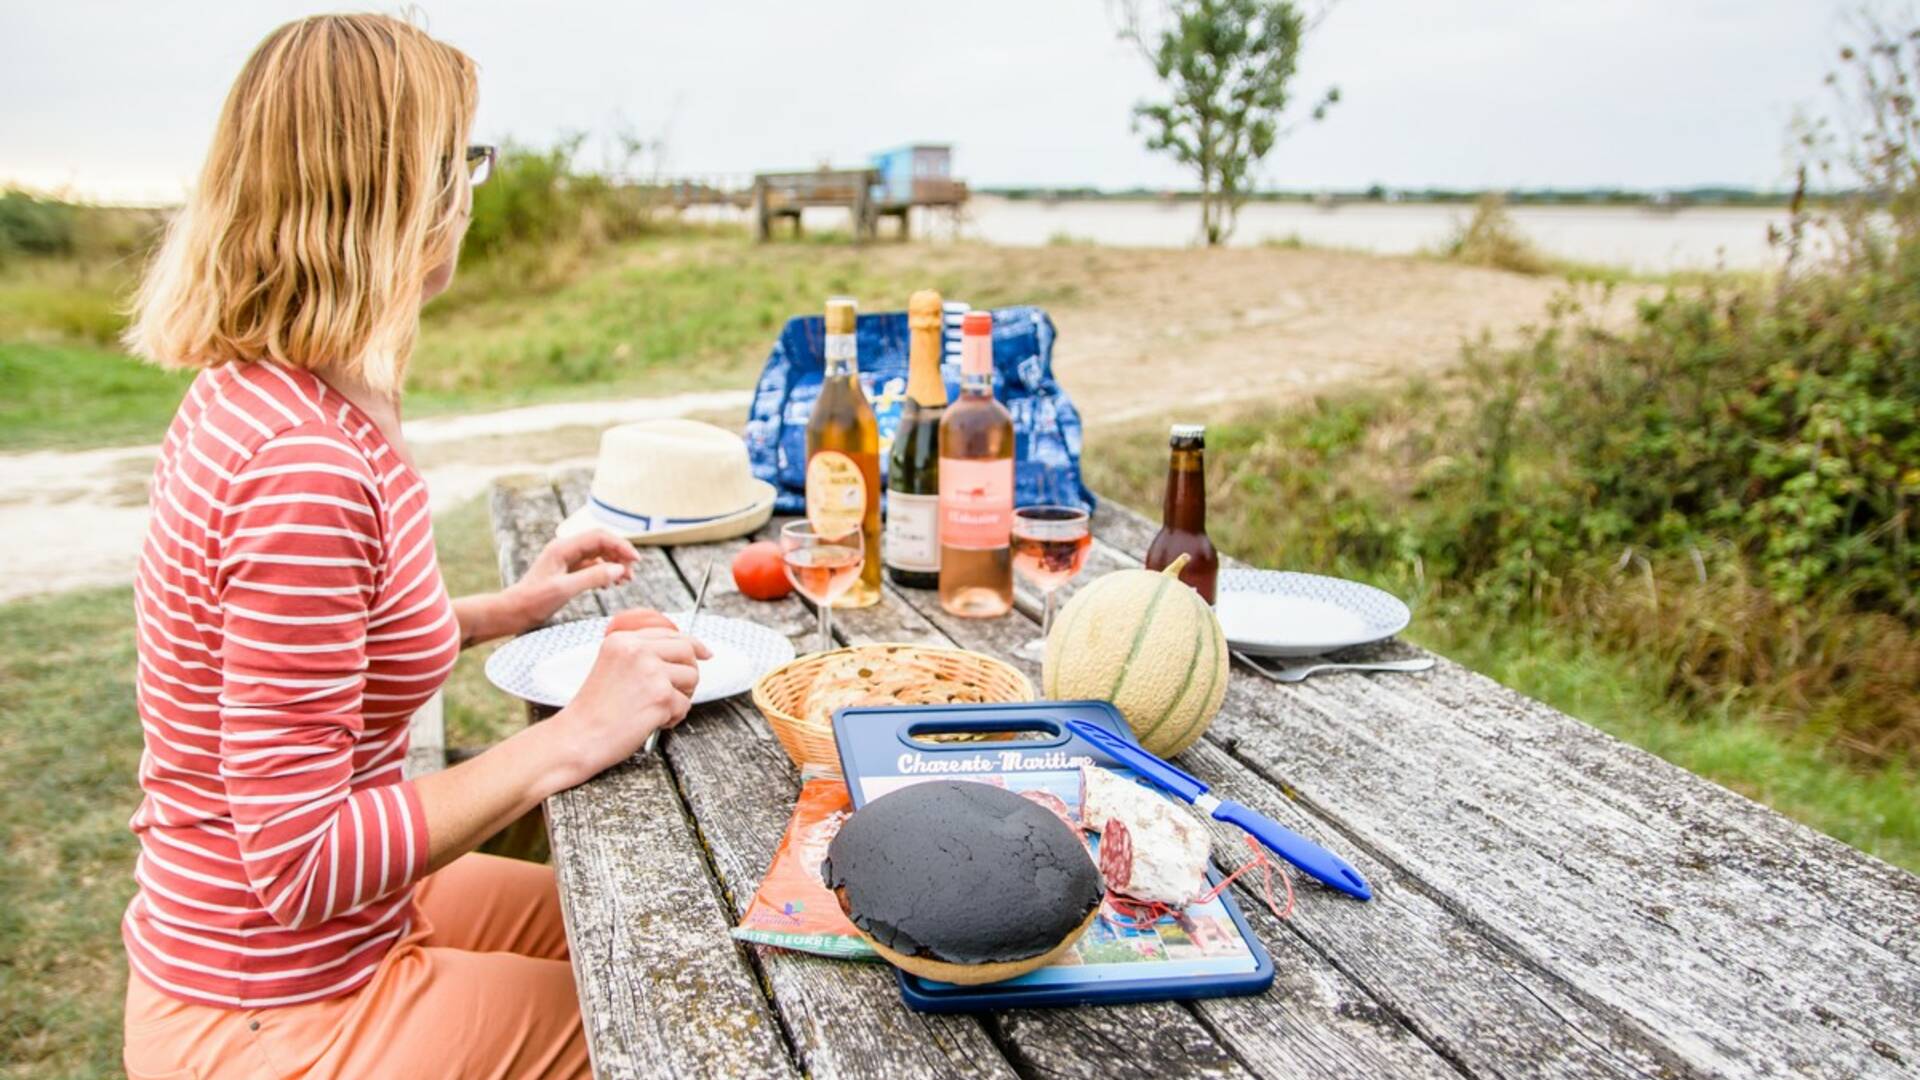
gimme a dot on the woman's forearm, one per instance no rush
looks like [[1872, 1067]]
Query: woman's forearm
[[486, 616], [642, 680], [477, 798]]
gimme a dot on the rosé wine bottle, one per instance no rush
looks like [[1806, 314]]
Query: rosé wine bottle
[[976, 485]]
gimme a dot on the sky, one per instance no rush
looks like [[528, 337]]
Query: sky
[[116, 100]]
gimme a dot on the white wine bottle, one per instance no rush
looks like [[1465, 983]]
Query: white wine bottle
[[843, 455]]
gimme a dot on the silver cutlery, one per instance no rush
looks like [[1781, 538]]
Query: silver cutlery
[[1301, 671], [693, 620], [700, 597]]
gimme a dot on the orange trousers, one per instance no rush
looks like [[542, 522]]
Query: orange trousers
[[482, 987]]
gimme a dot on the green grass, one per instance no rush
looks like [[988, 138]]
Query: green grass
[[77, 395], [476, 714], [1874, 808], [680, 309], [69, 754]]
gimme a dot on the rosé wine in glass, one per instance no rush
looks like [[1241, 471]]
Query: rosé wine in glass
[[1050, 545]]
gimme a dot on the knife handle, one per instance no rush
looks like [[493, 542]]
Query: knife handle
[[1312, 859], [1161, 773]]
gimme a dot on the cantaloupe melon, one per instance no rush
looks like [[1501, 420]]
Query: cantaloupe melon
[[1149, 644]]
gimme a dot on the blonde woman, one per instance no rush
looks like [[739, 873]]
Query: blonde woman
[[302, 909]]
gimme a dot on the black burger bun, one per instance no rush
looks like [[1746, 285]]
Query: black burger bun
[[963, 882]]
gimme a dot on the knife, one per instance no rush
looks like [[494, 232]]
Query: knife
[[1312, 859], [693, 620]]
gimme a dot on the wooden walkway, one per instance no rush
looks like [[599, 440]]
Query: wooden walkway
[[1549, 901], [774, 197]]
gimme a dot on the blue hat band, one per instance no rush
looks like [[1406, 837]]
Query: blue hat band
[[646, 523]]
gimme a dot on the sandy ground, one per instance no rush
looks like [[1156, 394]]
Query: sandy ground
[[1142, 333], [1159, 330]]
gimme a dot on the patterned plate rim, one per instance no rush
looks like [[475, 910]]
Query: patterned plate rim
[[510, 667], [1377, 629]]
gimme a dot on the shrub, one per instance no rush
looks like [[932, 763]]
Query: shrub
[[33, 225], [537, 217], [42, 225], [538, 197], [1490, 238]]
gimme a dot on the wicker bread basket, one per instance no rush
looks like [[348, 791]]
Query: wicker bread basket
[[781, 694]]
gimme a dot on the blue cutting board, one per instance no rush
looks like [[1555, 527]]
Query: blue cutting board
[[1208, 952]]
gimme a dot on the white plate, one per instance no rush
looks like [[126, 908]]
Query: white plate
[[547, 667], [1281, 613]]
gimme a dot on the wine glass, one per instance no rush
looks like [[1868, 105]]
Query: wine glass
[[821, 567], [1050, 545]]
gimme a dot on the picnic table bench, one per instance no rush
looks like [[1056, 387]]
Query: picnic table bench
[[1549, 901]]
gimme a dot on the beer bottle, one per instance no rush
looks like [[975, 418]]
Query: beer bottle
[[1183, 528]]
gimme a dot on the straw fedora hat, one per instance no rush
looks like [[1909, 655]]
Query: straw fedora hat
[[673, 482]]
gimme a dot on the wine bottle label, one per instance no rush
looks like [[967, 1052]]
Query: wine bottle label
[[836, 494], [976, 502], [913, 532]]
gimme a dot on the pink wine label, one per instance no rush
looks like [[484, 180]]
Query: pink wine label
[[976, 502]]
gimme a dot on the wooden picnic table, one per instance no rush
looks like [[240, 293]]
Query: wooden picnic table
[[1549, 901]]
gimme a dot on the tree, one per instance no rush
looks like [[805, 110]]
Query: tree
[[1226, 65]]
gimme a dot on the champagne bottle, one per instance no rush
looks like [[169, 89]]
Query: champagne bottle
[[843, 455], [1183, 528], [912, 540], [976, 485]]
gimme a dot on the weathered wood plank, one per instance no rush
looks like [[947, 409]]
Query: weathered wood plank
[[1147, 1041], [1703, 922], [1854, 890], [1418, 991], [843, 1019], [663, 989]]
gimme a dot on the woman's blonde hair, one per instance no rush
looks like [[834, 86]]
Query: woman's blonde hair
[[335, 182]]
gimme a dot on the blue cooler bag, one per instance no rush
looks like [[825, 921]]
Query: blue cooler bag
[[1046, 427]]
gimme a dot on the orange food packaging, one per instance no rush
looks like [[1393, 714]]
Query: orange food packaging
[[792, 908]]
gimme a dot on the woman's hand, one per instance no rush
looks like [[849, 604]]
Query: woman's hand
[[642, 680], [566, 567]]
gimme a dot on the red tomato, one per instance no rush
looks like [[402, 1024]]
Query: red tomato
[[640, 618], [760, 573]]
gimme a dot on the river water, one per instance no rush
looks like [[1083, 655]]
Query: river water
[[1636, 238], [1633, 237]]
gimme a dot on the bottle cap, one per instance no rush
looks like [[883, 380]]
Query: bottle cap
[[1190, 431], [923, 310], [976, 347], [840, 313]]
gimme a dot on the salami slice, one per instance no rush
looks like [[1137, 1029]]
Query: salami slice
[[1116, 856], [1163, 856]]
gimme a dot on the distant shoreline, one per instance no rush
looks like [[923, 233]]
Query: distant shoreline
[[1705, 196]]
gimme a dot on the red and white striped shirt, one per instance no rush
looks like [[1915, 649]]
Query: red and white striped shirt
[[291, 619]]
